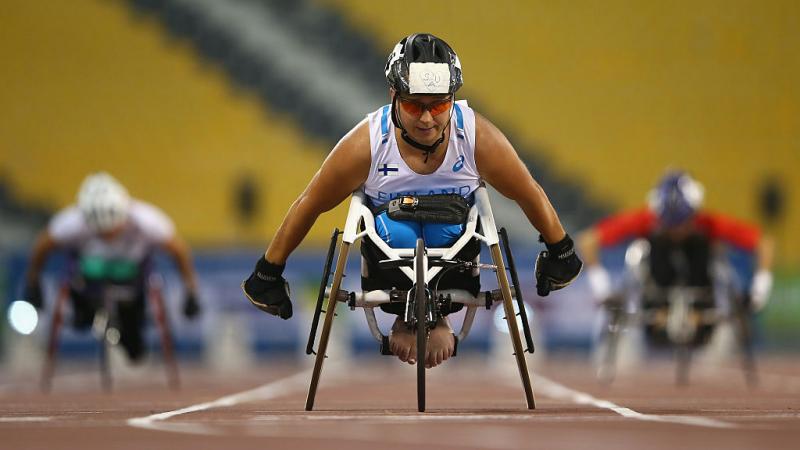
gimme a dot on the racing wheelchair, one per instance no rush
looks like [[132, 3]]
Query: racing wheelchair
[[106, 327], [679, 316], [422, 300]]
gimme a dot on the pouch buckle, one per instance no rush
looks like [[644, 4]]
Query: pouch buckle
[[408, 203]]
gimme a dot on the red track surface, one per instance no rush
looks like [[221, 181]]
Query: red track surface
[[367, 405]]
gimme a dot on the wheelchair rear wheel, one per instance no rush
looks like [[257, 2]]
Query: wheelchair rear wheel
[[513, 329], [421, 304], [330, 313]]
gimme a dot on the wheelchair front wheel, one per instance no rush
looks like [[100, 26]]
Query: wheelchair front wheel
[[421, 305]]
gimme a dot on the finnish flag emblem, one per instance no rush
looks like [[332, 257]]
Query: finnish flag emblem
[[389, 170]]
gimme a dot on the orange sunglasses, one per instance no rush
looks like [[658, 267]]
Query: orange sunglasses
[[416, 108]]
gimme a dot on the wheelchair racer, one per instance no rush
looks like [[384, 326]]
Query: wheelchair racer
[[680, 233], [424, 142], [111, 238]]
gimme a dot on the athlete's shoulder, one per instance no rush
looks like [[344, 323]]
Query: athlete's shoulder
[[715, 216], [641, 214], [379, 126], [355, 145], [151, 220], [486, 131], [716, 222], [359, 134], [380, 113], [67, 224]]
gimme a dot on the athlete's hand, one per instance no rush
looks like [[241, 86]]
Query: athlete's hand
[[268, 290], [191, 308], [760, 288], [33, 294], [557, 266], [599, 282]]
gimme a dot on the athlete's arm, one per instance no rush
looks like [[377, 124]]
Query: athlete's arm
[[344, 170], [41, 249], [500, 166], [614, 230], [589, 246], [180, 251], [765, 252]]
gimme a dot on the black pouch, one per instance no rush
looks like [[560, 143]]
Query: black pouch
[[435, 208]]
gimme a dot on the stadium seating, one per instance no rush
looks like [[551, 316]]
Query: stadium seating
[[608, 96], [90, 85], [615, 92]]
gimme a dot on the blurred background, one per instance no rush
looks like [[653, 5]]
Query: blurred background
[[220, 111]]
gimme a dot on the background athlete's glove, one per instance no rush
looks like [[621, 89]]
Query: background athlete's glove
[[557, 266], [191, 308], [267, 289], [599, 282], [760, 289], [33, 294]]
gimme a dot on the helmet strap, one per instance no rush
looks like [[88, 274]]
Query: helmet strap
[[427, 149]]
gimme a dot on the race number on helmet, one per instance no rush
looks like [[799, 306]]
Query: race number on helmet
[[423, 64], [103, 201]]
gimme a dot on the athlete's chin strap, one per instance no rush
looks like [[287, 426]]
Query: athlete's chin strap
[[428, 149]]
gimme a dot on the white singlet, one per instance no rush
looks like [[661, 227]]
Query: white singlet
[[389, 175], [147, 226]]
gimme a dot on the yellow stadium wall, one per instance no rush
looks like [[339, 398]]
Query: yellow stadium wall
[[87, 85], [617, 91]]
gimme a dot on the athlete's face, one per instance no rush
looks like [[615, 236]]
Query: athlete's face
[[111, 234], [679, 233], [424, 116]]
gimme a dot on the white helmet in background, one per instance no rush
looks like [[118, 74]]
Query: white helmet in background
[[103, 201]]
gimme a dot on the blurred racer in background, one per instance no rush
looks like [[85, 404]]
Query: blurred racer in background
[[672, 222], [110, 238]]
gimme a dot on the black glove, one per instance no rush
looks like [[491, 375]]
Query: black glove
[[267, 290], [557, 266], [191, 308], [33, 294]]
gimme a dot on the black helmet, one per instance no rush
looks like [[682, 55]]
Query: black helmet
[[431, 76]]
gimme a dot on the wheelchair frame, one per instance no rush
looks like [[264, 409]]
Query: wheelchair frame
[[103, 322], [360, 224], [679, 323]]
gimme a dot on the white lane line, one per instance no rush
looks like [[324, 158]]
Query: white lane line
[[412, 417], [378, 418], [482, 436], [299, 381], [558, 391], [268, 391], [17, 419]]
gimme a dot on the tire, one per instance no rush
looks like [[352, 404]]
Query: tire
[[512, 268], [513, 329], [330, 313], [422, 328], [326, 274]]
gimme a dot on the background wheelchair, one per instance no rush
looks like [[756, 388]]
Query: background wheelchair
[[106, 329], [422, 300], [680, 317]]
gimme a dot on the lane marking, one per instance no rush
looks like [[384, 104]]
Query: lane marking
[[523, 416], [483, 436], [17, 419], [558, 391], [298, 381], [267, 391]]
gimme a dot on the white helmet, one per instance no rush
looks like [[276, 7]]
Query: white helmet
[[103, 201]]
